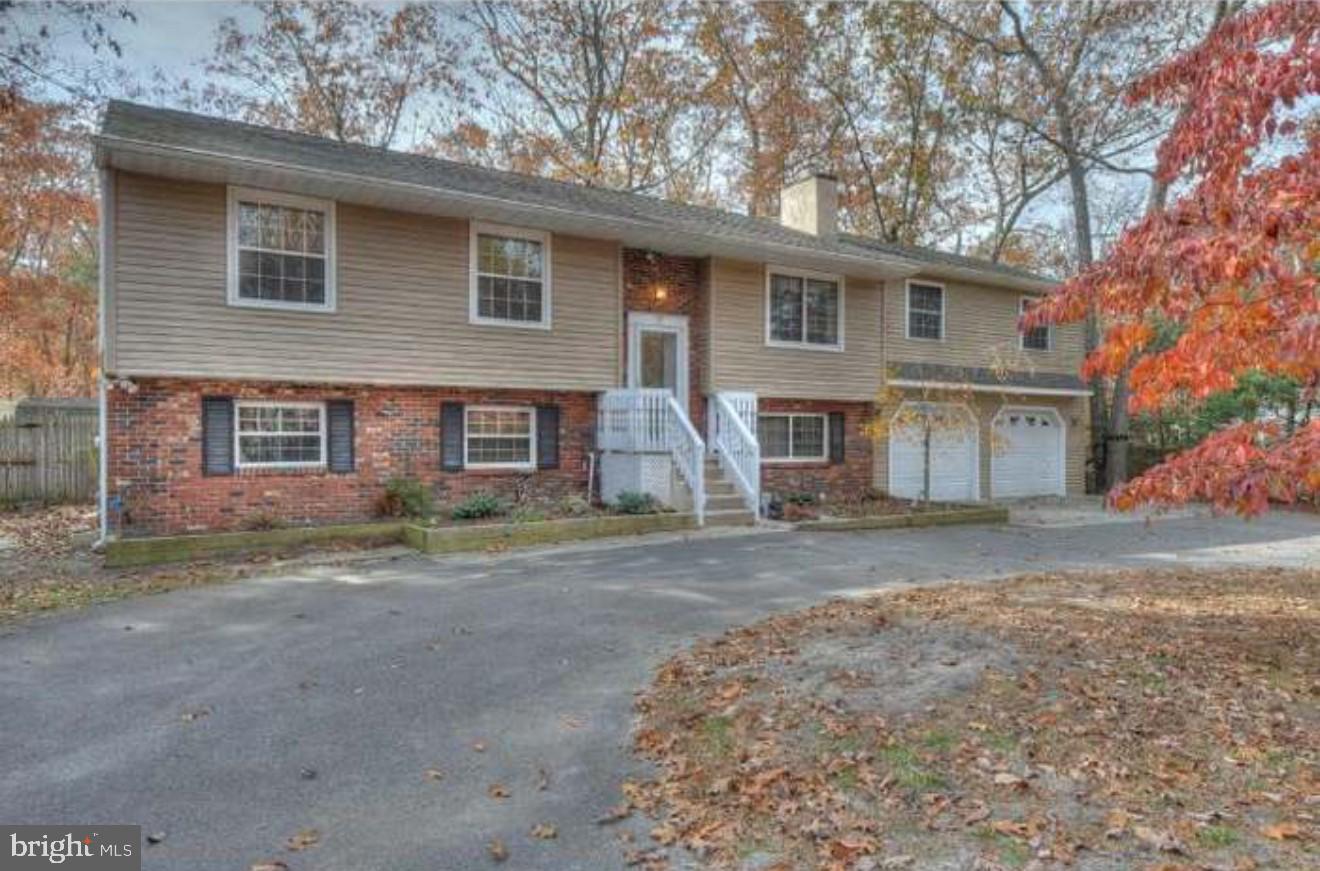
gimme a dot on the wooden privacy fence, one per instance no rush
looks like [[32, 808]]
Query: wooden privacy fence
[[48, 457]]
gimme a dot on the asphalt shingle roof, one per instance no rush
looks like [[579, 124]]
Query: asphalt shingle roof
[[132, 122], [941, 373]]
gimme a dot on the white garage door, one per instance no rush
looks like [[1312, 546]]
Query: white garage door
[[1026, 458], [954, 464]]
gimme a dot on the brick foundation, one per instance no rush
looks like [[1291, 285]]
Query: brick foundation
[[156, 485], [827, 481]]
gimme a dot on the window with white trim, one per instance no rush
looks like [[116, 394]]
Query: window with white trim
[[499, 437], [925, 311], [281, 251], [792, 436], [803, 309], [1036, 338], [283, 435], [510, 276]]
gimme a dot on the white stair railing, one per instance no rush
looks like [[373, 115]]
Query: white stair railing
[[737, 449], [688, 453], [650, 420], [634, 421]]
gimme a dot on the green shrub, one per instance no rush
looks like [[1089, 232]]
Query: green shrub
[[799, 498], [479, 505], [262, 521], [632, 502], [406, 497]]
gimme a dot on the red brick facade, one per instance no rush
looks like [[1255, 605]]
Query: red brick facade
[[663, 284], [824, 480], [156, 484]]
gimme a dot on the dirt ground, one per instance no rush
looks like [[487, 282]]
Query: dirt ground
[[47, 562], [1149, 720]]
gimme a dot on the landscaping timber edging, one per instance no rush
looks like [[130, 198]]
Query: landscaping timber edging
[[947, 517], [121, 553], [454, 539]]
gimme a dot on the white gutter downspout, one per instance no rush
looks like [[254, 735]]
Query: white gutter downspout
[[105, 210]]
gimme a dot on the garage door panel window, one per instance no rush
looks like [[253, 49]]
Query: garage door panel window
[[789, 437]]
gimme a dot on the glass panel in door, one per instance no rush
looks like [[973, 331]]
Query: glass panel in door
[[658, 359]]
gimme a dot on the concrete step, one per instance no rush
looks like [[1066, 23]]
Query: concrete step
[[725, 503], [737, 517], [716, 486]]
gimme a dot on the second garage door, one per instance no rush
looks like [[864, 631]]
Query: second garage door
[[1026, 458]]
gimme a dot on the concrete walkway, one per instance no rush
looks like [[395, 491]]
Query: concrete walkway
[[231, 717]]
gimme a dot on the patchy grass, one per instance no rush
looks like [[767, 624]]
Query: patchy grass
[[1143, 720]]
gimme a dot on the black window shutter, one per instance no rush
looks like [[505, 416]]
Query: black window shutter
[[451, 436], [217, 435], [547, 436], [837, 433], [339, 434]]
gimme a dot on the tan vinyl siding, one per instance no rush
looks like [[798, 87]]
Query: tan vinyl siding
[[402, 313], [1075, 412], [980, 329], [741, 359]]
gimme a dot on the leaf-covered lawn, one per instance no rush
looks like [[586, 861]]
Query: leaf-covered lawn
[[1100, 721]]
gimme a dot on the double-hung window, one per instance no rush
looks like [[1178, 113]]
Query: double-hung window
[[510, 276], [792, 436], [499, 437], [925, 311], [804, 309], [280, 435], [281, 251], [1036, 338]]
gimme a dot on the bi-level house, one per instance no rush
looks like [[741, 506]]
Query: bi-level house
[[290, 322]]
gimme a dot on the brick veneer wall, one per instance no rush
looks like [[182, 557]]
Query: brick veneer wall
[[681, 278], [826, 481], [155, 456]]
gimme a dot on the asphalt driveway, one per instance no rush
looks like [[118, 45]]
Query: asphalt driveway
[[231, 717]]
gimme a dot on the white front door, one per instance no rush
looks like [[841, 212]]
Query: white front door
[[1026, 456], [658, 353], [935, 445]]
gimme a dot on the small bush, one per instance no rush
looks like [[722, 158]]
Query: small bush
[[799, 498], [574, 506], [406, 497], [262, 521], [632, 502], [477, 506]]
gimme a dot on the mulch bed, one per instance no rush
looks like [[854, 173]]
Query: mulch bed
[[1137, 720]]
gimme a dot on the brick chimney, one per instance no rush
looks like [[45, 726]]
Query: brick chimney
[[811, 204]]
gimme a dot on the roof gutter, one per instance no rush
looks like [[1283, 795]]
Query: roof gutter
[[105, 144]]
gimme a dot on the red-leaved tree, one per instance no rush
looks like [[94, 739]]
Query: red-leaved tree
[[1231, 263]]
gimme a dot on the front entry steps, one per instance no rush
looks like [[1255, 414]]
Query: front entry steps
[[724, 504]]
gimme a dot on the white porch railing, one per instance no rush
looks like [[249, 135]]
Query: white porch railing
[[735, 443], [650, 420]]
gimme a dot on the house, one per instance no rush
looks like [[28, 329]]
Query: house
[[290, 322]]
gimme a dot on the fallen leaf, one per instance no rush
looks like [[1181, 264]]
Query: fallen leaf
[[433, 774], [976, 812], [497, 790], [614, 814], [542, 780], [479, 746], [544, 831], [1165, 842], [304, 839], [272, 865], [497, 850], [1282, 831]]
